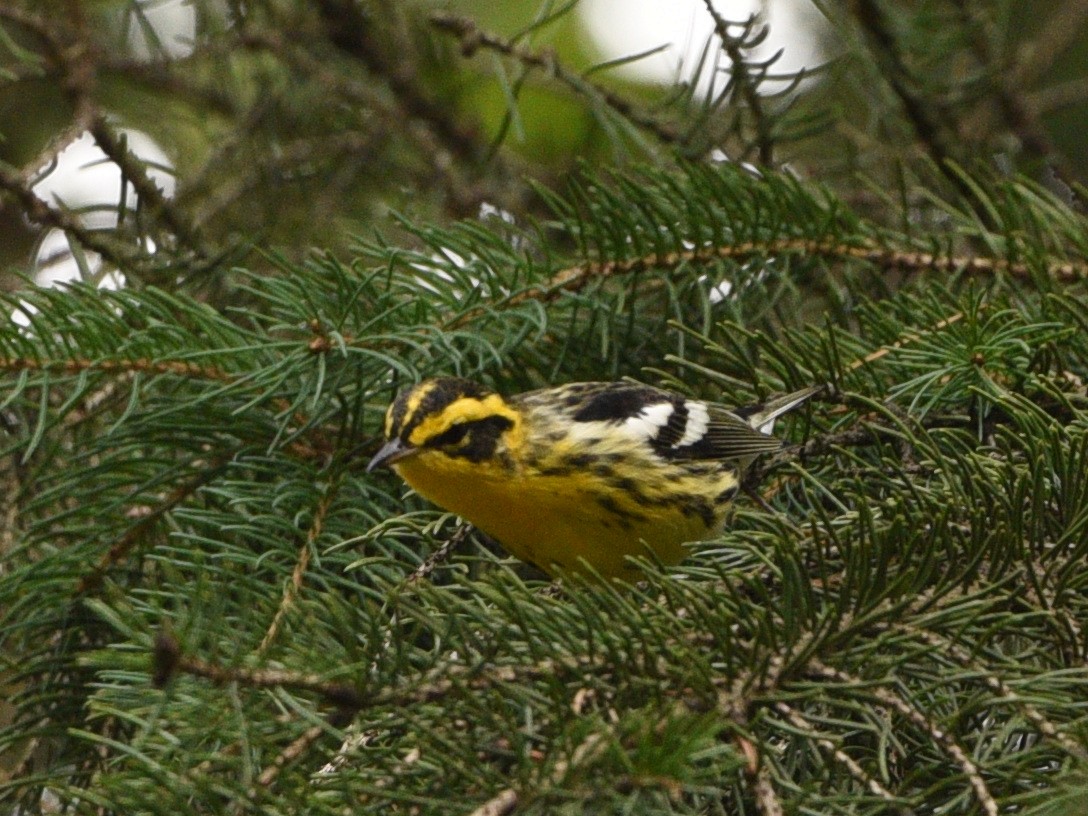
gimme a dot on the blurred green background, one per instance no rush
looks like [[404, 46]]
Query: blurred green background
[[292, 124]]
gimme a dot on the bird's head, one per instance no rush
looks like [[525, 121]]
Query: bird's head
[[447, 422]]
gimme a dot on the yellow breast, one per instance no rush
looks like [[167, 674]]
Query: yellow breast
[[558, 522]]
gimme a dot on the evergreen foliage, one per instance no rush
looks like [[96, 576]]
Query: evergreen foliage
[[903, 628], [207, 606]]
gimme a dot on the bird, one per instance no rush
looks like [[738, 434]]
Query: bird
[[578, 478]]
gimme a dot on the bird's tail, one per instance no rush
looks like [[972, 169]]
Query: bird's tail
[[762, 417]]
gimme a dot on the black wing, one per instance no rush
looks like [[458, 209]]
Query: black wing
[[671, 425], [674, 427]]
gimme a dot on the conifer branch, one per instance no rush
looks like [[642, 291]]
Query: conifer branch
[[39, 212], [903, 628], [904, 340], [1057, 33], [745, 85], [151, 197], [73, 53], [169, 661], [1019, 118], [433, 144], [1031, 713], [28, 20], [939, 735], [763, 792], [433, 686], [353, 32], [440, 555], [575, 278], [927, 116], [1046, 599], [828, 747]]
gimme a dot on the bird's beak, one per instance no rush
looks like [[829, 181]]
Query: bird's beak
[[392, 451]]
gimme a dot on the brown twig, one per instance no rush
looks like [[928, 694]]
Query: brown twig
[[1059, 95], [1063, 27], [135, 366], [473, 39], [798, 721], [34, 169], [288, 161], [429, 687], [575, 278], [762, 787], [291, 591], [169, 661], [75, 55], [455, 178], [318, 448], [909, 337], [28, 20], [71, 49], [134, 170], [501, 804], [439, 556], [289, 754], [119, 551]]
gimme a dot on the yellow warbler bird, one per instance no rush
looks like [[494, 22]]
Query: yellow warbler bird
[[579, 474]]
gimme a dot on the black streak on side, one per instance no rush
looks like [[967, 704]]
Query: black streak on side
[[624, 517]]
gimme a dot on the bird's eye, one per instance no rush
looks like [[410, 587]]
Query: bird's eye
[[450, 436]]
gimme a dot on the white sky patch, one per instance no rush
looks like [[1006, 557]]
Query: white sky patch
[[622, 28], [651, 419], [698, 422], [86, 182], [159, 29], [85, 178], [55, 266]]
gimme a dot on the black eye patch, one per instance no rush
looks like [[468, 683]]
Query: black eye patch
[[450, 436], [480, 438]]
